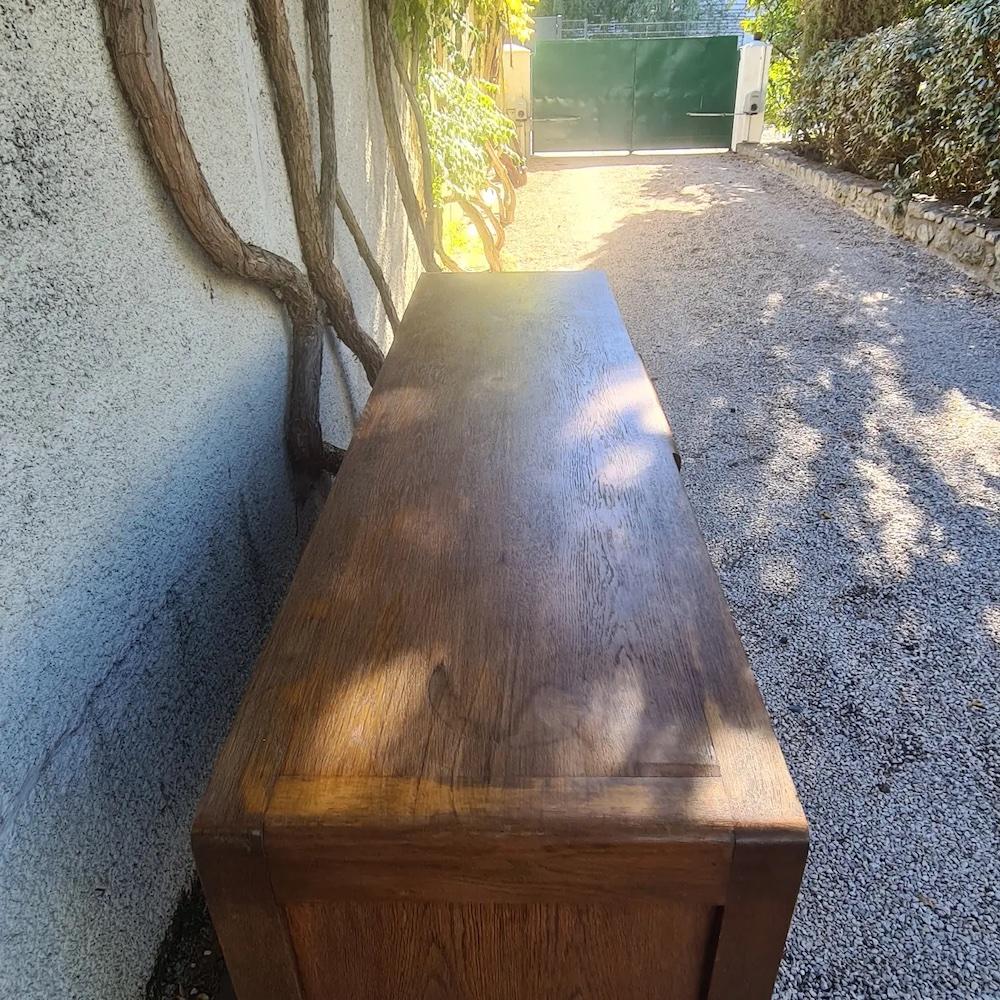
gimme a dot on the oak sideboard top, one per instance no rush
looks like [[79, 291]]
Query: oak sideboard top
[[506, 625]]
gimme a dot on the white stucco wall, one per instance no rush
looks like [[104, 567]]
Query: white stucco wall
[[147, 524]]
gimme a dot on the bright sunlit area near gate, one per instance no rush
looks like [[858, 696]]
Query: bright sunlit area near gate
[[500, 500]]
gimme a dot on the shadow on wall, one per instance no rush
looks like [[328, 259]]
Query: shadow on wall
[[149, 401], [103, 817]]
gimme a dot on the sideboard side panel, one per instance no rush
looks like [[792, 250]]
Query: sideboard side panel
[[435, 951]]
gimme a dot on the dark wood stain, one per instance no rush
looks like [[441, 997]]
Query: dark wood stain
[[503, 741], [439, 952]]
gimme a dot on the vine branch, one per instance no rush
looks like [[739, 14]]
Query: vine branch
[[382, 63], [365, 252], [483, 229], [133, 40], [426, 163], [296, 145], [331, 194], [318, 25]]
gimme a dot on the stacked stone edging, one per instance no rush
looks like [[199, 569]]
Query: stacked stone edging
[[968, 241]]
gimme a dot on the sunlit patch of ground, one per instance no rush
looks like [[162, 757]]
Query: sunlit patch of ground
[[835, 394]]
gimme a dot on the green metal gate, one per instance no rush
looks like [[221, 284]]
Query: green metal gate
[[634, 93]]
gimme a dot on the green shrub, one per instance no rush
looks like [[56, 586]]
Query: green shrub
[[826, 21], [779, 93], [916, 104]]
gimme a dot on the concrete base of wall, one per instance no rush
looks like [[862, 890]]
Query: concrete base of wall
[[967, 241]]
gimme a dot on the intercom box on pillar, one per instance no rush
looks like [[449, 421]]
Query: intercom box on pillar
[[751, 92], [516, 90]]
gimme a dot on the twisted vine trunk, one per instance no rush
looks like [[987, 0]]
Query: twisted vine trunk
[[297, 149], [486, 211], [382, 63], [426, 163], [304, 436], [517, 172], [331, 194], [483, 229], [508, 204], [133, 41]]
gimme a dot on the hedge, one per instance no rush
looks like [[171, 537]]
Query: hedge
[[916, 104]]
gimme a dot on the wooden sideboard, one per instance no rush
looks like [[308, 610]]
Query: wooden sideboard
[[503, 742]]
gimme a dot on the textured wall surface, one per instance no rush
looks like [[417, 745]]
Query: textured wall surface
[[147, 523]]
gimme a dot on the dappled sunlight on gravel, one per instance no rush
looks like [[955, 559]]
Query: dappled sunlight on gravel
[[835, 394]]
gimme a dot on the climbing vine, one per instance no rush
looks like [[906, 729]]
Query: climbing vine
[[468, 135], [316, 298], [448, 55], [435, 59], [463, 123]]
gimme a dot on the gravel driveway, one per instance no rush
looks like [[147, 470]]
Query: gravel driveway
[[835, 392]]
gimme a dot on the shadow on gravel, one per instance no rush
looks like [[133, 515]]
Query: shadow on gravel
[[835, 397]]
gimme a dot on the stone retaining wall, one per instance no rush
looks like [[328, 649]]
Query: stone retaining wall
[[967, 241]]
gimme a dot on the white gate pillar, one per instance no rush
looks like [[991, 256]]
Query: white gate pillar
[[751, 92], [515, 97]]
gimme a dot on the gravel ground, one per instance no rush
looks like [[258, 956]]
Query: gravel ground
[[834, 391], [189, 965]]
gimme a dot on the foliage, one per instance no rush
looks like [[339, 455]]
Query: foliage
[[804, 26], [453, 50], [513, 15], [916, 104], [463, 120], [457, 44], [621, 10], [778, 22], [443, 31], [799, 28], [825, 21], [780, 80]]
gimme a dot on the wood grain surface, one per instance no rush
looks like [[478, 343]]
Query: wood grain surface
[[497, 613], [440, 952], [505, 673]]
